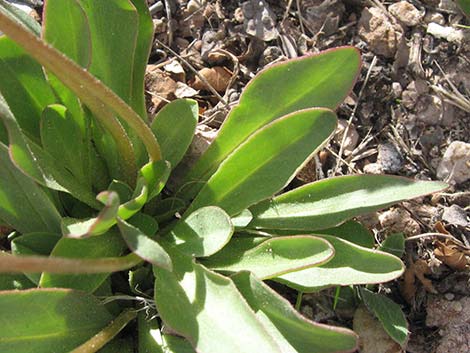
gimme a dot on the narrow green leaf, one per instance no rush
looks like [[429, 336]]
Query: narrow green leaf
[[291, 331], [203, 232], [174, 128], [23, 204], [62, 138], [22, 17], [57, 320], [321, 80], [272, 257], [23, 86], [351, 264], [394, 244], [208, 310], [143, 246], [106, 245], [329, 202], [389, 314], [267, 161]]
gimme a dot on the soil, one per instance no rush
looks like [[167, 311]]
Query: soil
[[407, 115]]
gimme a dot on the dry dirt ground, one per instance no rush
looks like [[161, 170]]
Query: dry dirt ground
[[408, 115]]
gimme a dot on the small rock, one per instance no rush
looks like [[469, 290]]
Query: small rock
[[406, 13], [373, 168], [389, 158], [376, 29], [352, 137], [397, 90], [450, 34], [455, 215], [435, 17], [398, 220], [460, 198], [455, 164]]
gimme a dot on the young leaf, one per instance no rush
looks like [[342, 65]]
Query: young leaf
[[267, 161], [143, 246], [329, 202], [57, 320], [174, 128], [389, 314], [203, 232], [351, 264], [322, 80], [23, 204], [106, 245], [272, 257], [291, 331], [208, 310]]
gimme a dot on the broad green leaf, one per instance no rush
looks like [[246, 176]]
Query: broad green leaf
[[351, 264], [23, 204], [272, 257], [106, 245], [143, 246], [394, 244], [203, 232], [464, 6], [321, 80], [267, 161], [23, 86], [329, 202], [174, 128], [147, 224], [291, 331], [34, 244], [207, 309], [62, 138], [389, 314], [54, 320]]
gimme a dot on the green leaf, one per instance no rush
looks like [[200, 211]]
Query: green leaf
[[24, 18], [165, 209], [267, 161], [16, 281], [106, 245], [291, 331], [322, 80], [23, 86], [62, 138], [351, 264], [394, 244], [143, 246], [272, 257], [56, 320], [203, 232], [464, 6], [174, 128], [23, 204], [207, 309], [329, 202], [389, 314]]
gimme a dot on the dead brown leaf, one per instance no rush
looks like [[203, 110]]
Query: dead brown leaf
[[451, 254], [218, 77]]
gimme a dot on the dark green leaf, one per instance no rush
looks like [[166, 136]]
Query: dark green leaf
[[291, 331], [329, 202], [267, 161], [272, 257], [106, 245], [322, 80], [143, 246], [464, 6], [389, 314], [174, 128], [57, 320], [351, 264], [394, 244], [16, 281]]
